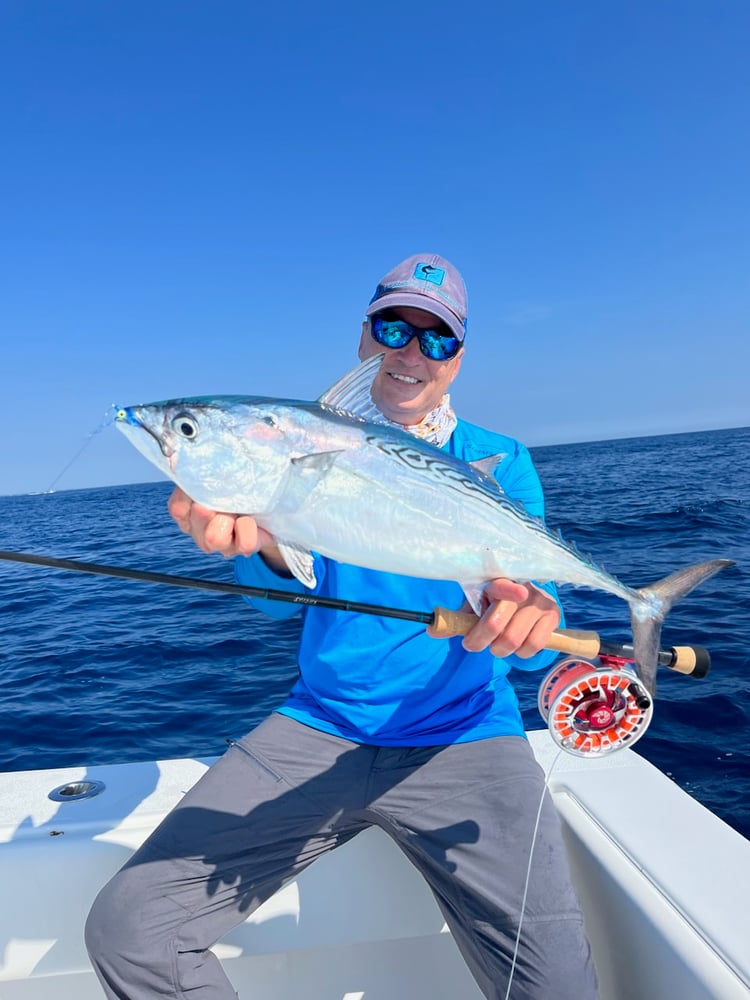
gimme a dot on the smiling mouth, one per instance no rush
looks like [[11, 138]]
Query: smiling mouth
[[408, 379]]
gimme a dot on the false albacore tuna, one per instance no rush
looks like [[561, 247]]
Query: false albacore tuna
[[332, 477]]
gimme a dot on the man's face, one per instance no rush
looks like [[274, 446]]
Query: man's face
[[408, 384]]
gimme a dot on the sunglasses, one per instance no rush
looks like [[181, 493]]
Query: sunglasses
[[437, 345]]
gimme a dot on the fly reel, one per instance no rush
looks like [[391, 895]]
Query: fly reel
[[594, 707]]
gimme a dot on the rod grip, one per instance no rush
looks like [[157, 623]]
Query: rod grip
[[576, 642], [447, 623]]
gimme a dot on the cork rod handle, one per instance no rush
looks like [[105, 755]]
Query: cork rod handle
[[448, 623]]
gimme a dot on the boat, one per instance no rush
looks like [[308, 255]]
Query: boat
[[663, 882]]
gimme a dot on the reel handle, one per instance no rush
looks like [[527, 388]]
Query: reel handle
[[693, 661]]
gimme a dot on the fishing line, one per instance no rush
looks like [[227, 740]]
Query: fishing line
[[545, 789], [108, 418]]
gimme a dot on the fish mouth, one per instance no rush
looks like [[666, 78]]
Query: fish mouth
[[128, 417], [167, 450]]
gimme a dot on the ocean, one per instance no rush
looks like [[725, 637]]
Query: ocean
[[97, 670]]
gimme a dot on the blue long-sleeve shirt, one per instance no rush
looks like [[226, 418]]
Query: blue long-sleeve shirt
[[385, 681]]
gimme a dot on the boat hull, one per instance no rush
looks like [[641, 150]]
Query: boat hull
[[663, 883]]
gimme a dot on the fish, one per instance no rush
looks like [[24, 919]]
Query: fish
[[333, 476]]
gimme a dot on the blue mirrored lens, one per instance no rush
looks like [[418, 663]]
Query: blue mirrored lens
[[396, 333]]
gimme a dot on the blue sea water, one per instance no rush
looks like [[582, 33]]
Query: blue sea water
[[98, 670]]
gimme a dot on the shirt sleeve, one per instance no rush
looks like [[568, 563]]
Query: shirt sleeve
[[521, 482], [254, 571]]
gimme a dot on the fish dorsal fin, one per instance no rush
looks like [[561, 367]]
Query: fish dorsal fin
[[488, 465], [299, 561], [352, 392]]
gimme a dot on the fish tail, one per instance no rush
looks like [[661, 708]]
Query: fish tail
[[650, 606]]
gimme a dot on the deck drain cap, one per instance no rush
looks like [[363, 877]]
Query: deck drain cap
[[75, 790]]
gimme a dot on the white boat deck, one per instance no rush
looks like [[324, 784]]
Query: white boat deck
[[664, 885]]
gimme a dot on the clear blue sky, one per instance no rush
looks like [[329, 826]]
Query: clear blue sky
[[199, 197]]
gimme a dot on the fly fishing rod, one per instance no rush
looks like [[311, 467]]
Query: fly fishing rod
[[442, 622]]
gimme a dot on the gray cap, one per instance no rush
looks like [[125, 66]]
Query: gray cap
[[424, 281]]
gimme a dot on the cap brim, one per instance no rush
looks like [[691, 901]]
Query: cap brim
[[416, 301]]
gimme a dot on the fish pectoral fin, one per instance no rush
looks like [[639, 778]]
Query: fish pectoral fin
[[303, 476], [351, 394], [299, 561], [318, 462], [488, 465]]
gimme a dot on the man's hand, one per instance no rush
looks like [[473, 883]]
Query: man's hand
[[519, 618], [229, 534]]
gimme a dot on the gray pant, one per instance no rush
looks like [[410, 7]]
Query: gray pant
[[286, 794]]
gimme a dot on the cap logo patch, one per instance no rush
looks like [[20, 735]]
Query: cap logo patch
[[428, 272]]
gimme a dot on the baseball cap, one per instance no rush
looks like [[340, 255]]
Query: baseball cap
[[424, 281]]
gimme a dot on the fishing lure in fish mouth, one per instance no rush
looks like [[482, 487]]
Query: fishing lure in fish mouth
[[125, 413], [312, 473]]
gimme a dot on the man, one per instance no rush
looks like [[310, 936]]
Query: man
[[384, 726]]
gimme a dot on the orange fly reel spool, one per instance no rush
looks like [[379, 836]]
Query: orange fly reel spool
[[594, 707]]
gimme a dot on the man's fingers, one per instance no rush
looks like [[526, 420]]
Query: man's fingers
[[528, 631], [492, 622], [217, 531], [506, 590], [247, 536], [514, 625], [212, 531], [179, 505]]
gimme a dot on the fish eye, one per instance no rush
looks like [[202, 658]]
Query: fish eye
[[186, 426]]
